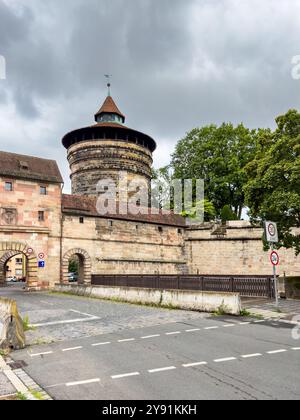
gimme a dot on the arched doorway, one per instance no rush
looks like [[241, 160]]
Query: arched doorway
[[84, 266], [11, 249]]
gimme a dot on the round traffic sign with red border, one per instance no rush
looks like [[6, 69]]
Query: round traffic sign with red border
[[29, 251], [41, 256], [272, 229], [274, 257]]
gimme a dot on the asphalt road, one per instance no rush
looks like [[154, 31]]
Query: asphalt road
[[195, 357]]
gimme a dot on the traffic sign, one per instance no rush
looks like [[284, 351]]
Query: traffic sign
[[271, 232], [41, 264], [41, 256], [274, 257], [29, 251]]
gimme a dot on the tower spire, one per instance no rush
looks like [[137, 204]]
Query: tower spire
[[108, 76]]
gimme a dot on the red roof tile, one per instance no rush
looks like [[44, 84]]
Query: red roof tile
[[29, 167], [109, 106], [87, 206]]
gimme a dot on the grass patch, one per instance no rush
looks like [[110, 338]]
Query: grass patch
[[21, 397], [245, 313], [26, 324], [36, 395]]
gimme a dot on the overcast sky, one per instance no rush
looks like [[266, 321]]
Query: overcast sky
[[176, 65]]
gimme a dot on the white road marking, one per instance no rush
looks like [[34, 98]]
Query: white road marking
[[101, 344], [173, 333], [126, 340], [245, 323], [277, 351], [226, 359], [47, 303], [229, 325], [90, 381], [211, 328], [194, 364], [259, 321], [72, 348], [249, 356], [162, 369], [296, 348], [193, 330], [82, 313], [125, 375], [150, 336], [69, 321], [41, 354]]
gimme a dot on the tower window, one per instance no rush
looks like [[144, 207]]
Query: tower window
[[8, 186], [81, 220], [180, 231], [43, 190], [110, 223], [160, 229], [41, 216]]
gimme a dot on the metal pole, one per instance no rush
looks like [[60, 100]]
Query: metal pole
[[275, 281]]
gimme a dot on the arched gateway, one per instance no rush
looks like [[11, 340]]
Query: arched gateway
[[9, 250], [84, 268]]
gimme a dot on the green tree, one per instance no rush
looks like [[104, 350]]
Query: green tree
[[218, 155], [273, 189], [227, 214], [73, 266]]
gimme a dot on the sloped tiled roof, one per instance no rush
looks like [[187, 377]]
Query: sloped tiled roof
[[109, 106], [29, 167], [87, 206]]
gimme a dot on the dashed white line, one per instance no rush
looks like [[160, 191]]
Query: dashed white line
[[211, 328], [259, 321], [276, 351], [173, 333], [296, 348], [244, 323], [162, 369], [229, 325], [150, 336], [125, 375], [249, 356], [41, 354], [89, 381], [72, 348], [101, 344], [188, 365], [226, 359], [126, 340], [193, 330]]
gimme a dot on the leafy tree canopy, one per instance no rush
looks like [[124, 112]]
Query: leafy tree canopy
[[218, 155], [273, 188]]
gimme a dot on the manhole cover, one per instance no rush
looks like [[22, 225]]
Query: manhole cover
[[19, 364]]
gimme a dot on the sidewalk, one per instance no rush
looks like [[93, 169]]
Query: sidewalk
[[6, 388], [288, 309], [16, 384]]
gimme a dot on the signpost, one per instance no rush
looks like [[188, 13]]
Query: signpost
[[271, 232]]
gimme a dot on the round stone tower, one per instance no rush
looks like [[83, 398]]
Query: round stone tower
[[103, 150]]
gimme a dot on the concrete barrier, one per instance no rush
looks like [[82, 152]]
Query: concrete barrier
[[229, 303], [11, 326]]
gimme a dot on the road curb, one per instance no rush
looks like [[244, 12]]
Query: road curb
[[22, 382]]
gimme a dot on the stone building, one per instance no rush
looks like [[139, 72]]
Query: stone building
[[49, 228]]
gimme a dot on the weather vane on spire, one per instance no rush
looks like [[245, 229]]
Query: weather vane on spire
[[108, 77]]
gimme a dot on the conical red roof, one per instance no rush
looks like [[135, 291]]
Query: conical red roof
[[109, 106]]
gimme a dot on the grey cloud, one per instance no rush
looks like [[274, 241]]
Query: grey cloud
[[175, 64]]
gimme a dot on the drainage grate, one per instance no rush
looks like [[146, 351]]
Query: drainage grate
[[18, 364]]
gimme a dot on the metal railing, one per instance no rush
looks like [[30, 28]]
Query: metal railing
[[247, 286]]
